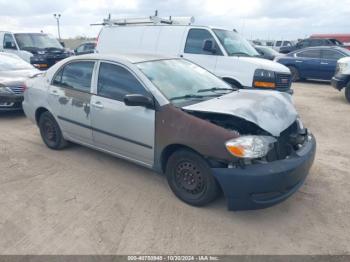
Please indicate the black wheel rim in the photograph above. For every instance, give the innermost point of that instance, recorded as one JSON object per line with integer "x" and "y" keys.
{"x": 49, "y": 131}
{"x": 189, "y": 179}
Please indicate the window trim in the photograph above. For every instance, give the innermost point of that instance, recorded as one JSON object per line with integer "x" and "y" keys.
{"x": 70, "y": 88}
{"x": 217, "y": 42}
{"x": 126, "y": 68}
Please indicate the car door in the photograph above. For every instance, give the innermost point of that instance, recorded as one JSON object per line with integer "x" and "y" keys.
{"x": 70, "y": 97}
{"x": 328, "y": 63}
{"x": 194, "y": 51}
{"x": 308, "y": 63}
{"x": 120, "y": 129}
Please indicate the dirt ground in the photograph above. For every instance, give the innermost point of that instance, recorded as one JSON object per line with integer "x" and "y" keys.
{"x": 79, "y": 201}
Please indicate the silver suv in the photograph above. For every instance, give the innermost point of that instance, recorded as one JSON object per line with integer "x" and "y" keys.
{"x": 176, "y": 118}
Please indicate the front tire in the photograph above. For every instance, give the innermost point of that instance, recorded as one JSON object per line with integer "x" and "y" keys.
{"x": 51, "y": 132}
{"x": 189, "y": 177}
{"x": 347, "y": 92}
{"x": 295, "y": 73}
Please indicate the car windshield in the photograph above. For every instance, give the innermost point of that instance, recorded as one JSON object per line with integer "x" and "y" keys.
{"x": 234, "y": 44}
{"x": 8, "y": 63}
{"x": 181, "y": 81}
{"x": 40, "y": 41}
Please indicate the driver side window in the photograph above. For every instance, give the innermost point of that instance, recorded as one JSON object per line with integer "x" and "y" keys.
{"x": 115, "y": 82}
{"x": 195, "y": 42}
{"x": 9, "y": 42}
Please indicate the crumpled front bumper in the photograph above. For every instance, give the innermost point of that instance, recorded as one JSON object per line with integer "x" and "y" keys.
{"x": 264, "y": 185}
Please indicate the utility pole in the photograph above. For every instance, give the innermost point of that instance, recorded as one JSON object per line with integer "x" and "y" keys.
{"x": 58, "y": 17}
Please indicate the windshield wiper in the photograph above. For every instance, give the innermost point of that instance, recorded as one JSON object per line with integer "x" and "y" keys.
{"x": 215, "y": 89}
{"x": 240, "y": 53}
{"x": 191, "y": 96}
{"x": 186, "y": 97}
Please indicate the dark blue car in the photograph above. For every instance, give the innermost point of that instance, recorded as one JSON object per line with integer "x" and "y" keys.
{"x": 313, "y": 62}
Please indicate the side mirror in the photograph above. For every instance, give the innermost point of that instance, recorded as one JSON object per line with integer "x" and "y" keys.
{"x": 139, "y": 100}
{"x": 209, "y": 46}
{"x": 63, "y": 44}
{"x": 10, "y": 45}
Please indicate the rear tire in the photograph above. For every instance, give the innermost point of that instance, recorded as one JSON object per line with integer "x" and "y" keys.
{"x": 51, "y": 132}
{"x": 347, "y": 92}
{"x": 295, "y": 73}
{"x": 189, "y": 177}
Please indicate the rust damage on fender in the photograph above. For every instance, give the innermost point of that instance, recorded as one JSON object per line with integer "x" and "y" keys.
{"x": 177, "y": 127}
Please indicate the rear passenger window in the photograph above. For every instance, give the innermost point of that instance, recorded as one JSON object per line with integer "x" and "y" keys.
{"x": 76, "y": 75}
{"x": 310, "y": 54}
{"x": 195, "y": 41}
{"x": 115, "y": 82}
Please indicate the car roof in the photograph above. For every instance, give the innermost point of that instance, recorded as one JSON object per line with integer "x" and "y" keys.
{"x": 131, "y": 58}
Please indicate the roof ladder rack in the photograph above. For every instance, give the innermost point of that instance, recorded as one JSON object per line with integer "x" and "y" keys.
{"x": 151, "y": 20}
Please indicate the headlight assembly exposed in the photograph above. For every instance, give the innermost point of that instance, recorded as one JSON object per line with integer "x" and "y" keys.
{"x": 250, "y": 147}
{"x": 264, "y": 79}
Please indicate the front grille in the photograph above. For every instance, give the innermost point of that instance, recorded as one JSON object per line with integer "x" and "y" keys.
{"x": 283, "y": 81}
{"x": 18, "y": 90}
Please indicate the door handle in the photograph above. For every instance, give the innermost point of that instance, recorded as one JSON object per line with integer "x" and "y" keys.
{"x": 54, "y": 93}
{"x": 323, "y": 63}
{"x": 98, "y": 105}
{"x": 298, "y": 61}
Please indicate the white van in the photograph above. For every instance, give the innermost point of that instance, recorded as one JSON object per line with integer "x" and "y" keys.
{"x": 223, "y": 52}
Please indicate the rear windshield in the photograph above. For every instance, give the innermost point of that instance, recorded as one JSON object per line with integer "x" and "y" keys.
{"x": 8, "y": 63}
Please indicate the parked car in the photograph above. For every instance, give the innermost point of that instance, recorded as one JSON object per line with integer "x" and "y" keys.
{"x": 176, "y": 118}
{"x": 267, "y": 52}
{"x": 85, "y": 48}
{"x": 223, "y": 52}
{"x": 13, "y": 73}
{"x": 277, "y": 45}
{"x": 40, "y": 50}
{"x": 342, "y": 38}
{"x": 313, "y": 62}
{"x": 310, "y": 42}
{"x": 341, "y": 78}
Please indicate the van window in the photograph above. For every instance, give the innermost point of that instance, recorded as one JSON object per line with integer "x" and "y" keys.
{"x": 195, "y": 42}
{"x": 278, "y": 43}
{"x": 76, "y": 75}
{"x": 9, "y": 42}
{"x": 115, "y": 82}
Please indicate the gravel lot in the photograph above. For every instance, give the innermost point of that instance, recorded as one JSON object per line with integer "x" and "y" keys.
{"x": 79, "y": 201}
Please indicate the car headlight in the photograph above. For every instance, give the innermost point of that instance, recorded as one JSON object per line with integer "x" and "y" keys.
{"x": 250, "y": 146}
{"x": 5, "y": 90}
{"x": 341, "y": 67}
{"x": 264, "y": 79}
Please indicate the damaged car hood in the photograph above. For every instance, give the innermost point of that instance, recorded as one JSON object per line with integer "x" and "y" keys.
{"x": 272, "y": 111}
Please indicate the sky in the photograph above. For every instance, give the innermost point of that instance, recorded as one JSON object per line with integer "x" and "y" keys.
{"x": 254, "y": 19}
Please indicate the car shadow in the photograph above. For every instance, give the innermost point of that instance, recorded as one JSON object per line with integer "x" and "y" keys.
{"x": 11, "y": 114}
{"x": 315, "y": 82}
